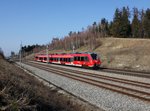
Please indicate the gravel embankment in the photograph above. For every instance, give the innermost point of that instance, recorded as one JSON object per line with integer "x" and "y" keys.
{"x": 146, "y": 80}
{"x": 105, "y": 99}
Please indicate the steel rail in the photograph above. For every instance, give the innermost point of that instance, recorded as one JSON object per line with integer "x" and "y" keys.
{"x": 123, "y": 72}
{"x": 128, "y": 91}
{"x": 115, "y": 79}
{"x": 126, "y": 72}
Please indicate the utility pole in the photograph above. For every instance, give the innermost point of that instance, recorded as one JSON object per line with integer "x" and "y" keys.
{"x": 73, "y": 47}
{"x": 47, "y": 54}
{"x": 20, "y": 53}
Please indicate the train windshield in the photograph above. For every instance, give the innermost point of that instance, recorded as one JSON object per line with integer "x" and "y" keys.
{"x": 94, "y": 56}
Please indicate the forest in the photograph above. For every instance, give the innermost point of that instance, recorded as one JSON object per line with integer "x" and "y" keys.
{"x": 126, "y": 23}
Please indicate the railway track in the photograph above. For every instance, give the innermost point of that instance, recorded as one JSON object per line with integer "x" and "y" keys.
{"x": 126, "y": 72}
{"x": 132, "y": 88}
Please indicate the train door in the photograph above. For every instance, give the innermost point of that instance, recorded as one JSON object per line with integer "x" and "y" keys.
{"x": 41, "y": 59}
{"x": 72, "y": 60}
{"x": 85, "y": 61}
{"x": 77, "y": 61}
{"x": 45, "y": 59}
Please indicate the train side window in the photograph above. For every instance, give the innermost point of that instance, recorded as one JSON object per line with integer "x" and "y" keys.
{"x": 86, "y": 59}
{"x": 82, "y": 58}
{"x": 75, "y": 58}
{"x": 45, "y": 58}
{"x": 69, "y": 59}
{"x": 78, "y": 58}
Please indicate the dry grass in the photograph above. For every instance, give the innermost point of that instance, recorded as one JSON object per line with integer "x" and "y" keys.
{"x": 20, "y": 91}
{"x": 126, "y": 53}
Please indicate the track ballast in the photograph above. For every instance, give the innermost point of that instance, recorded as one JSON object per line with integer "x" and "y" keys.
{"x": 132, "y": 88}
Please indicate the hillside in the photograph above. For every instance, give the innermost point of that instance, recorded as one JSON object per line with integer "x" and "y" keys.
{"x": 123, "y": 53}
{"x": 21, "y": 91}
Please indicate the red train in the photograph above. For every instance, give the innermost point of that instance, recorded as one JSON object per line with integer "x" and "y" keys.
{"x": 74, "y": 59}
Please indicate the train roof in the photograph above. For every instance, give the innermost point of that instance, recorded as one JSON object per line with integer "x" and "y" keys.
{"x": 83, "y": 53}
{"x": 66, "y": 55}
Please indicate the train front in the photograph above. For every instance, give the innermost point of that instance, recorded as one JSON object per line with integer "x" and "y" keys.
{"x": 95, "y": 60}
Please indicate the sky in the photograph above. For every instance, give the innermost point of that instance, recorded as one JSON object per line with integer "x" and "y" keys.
{"x": 38, "y": 21}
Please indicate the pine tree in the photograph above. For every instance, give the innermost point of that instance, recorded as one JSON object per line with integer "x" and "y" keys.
{"x": 121, "y": 24}
{"x": 94, "y": 27}
{"x": 116, "y": 23}
{"x": 110, "y": 27}
{"x": 135, "y": 23}
{"x": 141, "y": 18}
{"x": 104, "y": 27}
{"x": 1, "y": 53}
{"x": 125, "y": 29}
{"x": 146, "y": 24}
